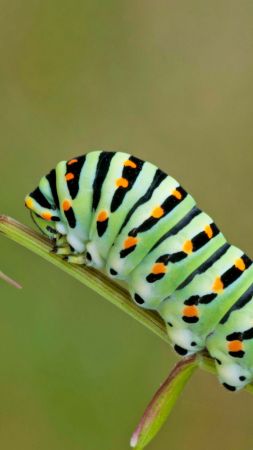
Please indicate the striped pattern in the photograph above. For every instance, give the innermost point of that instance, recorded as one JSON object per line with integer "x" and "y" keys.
{"x": 139, "y": 224}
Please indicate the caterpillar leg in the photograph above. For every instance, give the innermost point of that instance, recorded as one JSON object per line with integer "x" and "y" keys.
{"x": 61, "y": 246}
{"x": 79, "y": 259}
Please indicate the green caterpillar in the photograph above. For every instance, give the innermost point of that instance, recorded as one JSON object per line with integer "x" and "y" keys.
{"x": 114, "y": 211}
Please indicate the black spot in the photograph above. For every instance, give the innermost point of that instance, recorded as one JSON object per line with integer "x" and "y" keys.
{"x": 170, "y": 324}
{"x": 193, "y": 343}
{"x": 239, "y": 354}
{"x": 113, "y": 272}
{"x": 88, "y": 256}
{"x": 230, "y": 388}
{"x": 180, "y": 350}
{"x": 138, "y": 299}
{"x": 218, "y": 361}
{"x": 191, "y": 319}
{"x": 242, "y": 378}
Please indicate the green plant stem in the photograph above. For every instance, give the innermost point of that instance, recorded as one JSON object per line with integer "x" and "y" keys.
{"x": 92, "y": 278}
{"x": 95, "y": 280}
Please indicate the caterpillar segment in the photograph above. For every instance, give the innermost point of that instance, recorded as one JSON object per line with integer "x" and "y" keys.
{"x": 115, "y": 212}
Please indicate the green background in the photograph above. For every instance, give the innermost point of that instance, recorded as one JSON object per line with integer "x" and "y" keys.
{"x": 169, "y": 81}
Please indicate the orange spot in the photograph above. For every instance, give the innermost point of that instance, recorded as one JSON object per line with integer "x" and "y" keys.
{"x": 66, "y": 204}
{"x": 209, "y": 231}
{"x": 29, "y": 203}
{"x": 235, "y": 346}
{"x": 188, "y": 247}
{"x": 46, "y": 215}
{"x": 177, "y": 194}
{"x": 129, "y": 163}
{"x": 217, "y": 285}
{"x": 239, "y": 264}
{"x": 130, "y": 242}
{"x": 122, "y": 182}
{"x": 159, "y": 268}
{"x": 157, "y": 212}
{"x": 191, "y": 311}
{"x": 102, "y": 216}
{"x": 72, "y": 161}
{"x": 69, "y": 176}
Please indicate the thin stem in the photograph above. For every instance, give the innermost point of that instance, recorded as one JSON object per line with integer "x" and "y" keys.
{"x": 9, "y": 280}
{"x": 92, "y": 278}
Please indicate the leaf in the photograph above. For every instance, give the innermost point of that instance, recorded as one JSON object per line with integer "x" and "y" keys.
{"x": 162, "y": 403}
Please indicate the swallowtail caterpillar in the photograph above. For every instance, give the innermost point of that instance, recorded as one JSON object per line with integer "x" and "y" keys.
{"x": 114, "y": 211}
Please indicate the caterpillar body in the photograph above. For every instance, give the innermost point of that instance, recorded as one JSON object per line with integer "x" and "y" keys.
{"x": 112, "y": 210}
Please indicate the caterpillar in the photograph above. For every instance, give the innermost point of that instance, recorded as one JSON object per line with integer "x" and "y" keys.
{"x": 115, "y": 212}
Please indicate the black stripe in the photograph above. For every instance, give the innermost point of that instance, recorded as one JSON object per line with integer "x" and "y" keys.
{"x": 103, "y": 165}
{"x": 51, "y": 177}
{"x": 168, "y": 205}
{"x": 70, "y": 216}
{"x": 177, "y": 257}
{"x": 240, "y": 303}
{"x": 75, "y": 168}
{"x": 152, "y": 277}
{"x": 206, "y": 265}
{"x": 233, "y": 273}
{"x": 157, "y": 179}
{"x": 179, "y": 226}
{"x": 163, "y": 259}
{"x": 102, "y": 226}
{"x": 196, "y": 299}
{"x": 208, "y": 298}
{"x": 126, "y": 251}
{"x": 193, "y": 300}
{"x": 40, "y": 198}
{"x": 201, "y": 239}
{"x": 131, "y": 175}
{"x": 235, "y": 336}
{"x": 248, "y": 334}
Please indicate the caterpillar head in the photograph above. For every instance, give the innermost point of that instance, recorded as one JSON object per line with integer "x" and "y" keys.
{"x": 44, "y": 215}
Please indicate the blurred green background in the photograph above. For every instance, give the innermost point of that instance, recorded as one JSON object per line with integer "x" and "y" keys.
{"x": 172, "y": 83}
